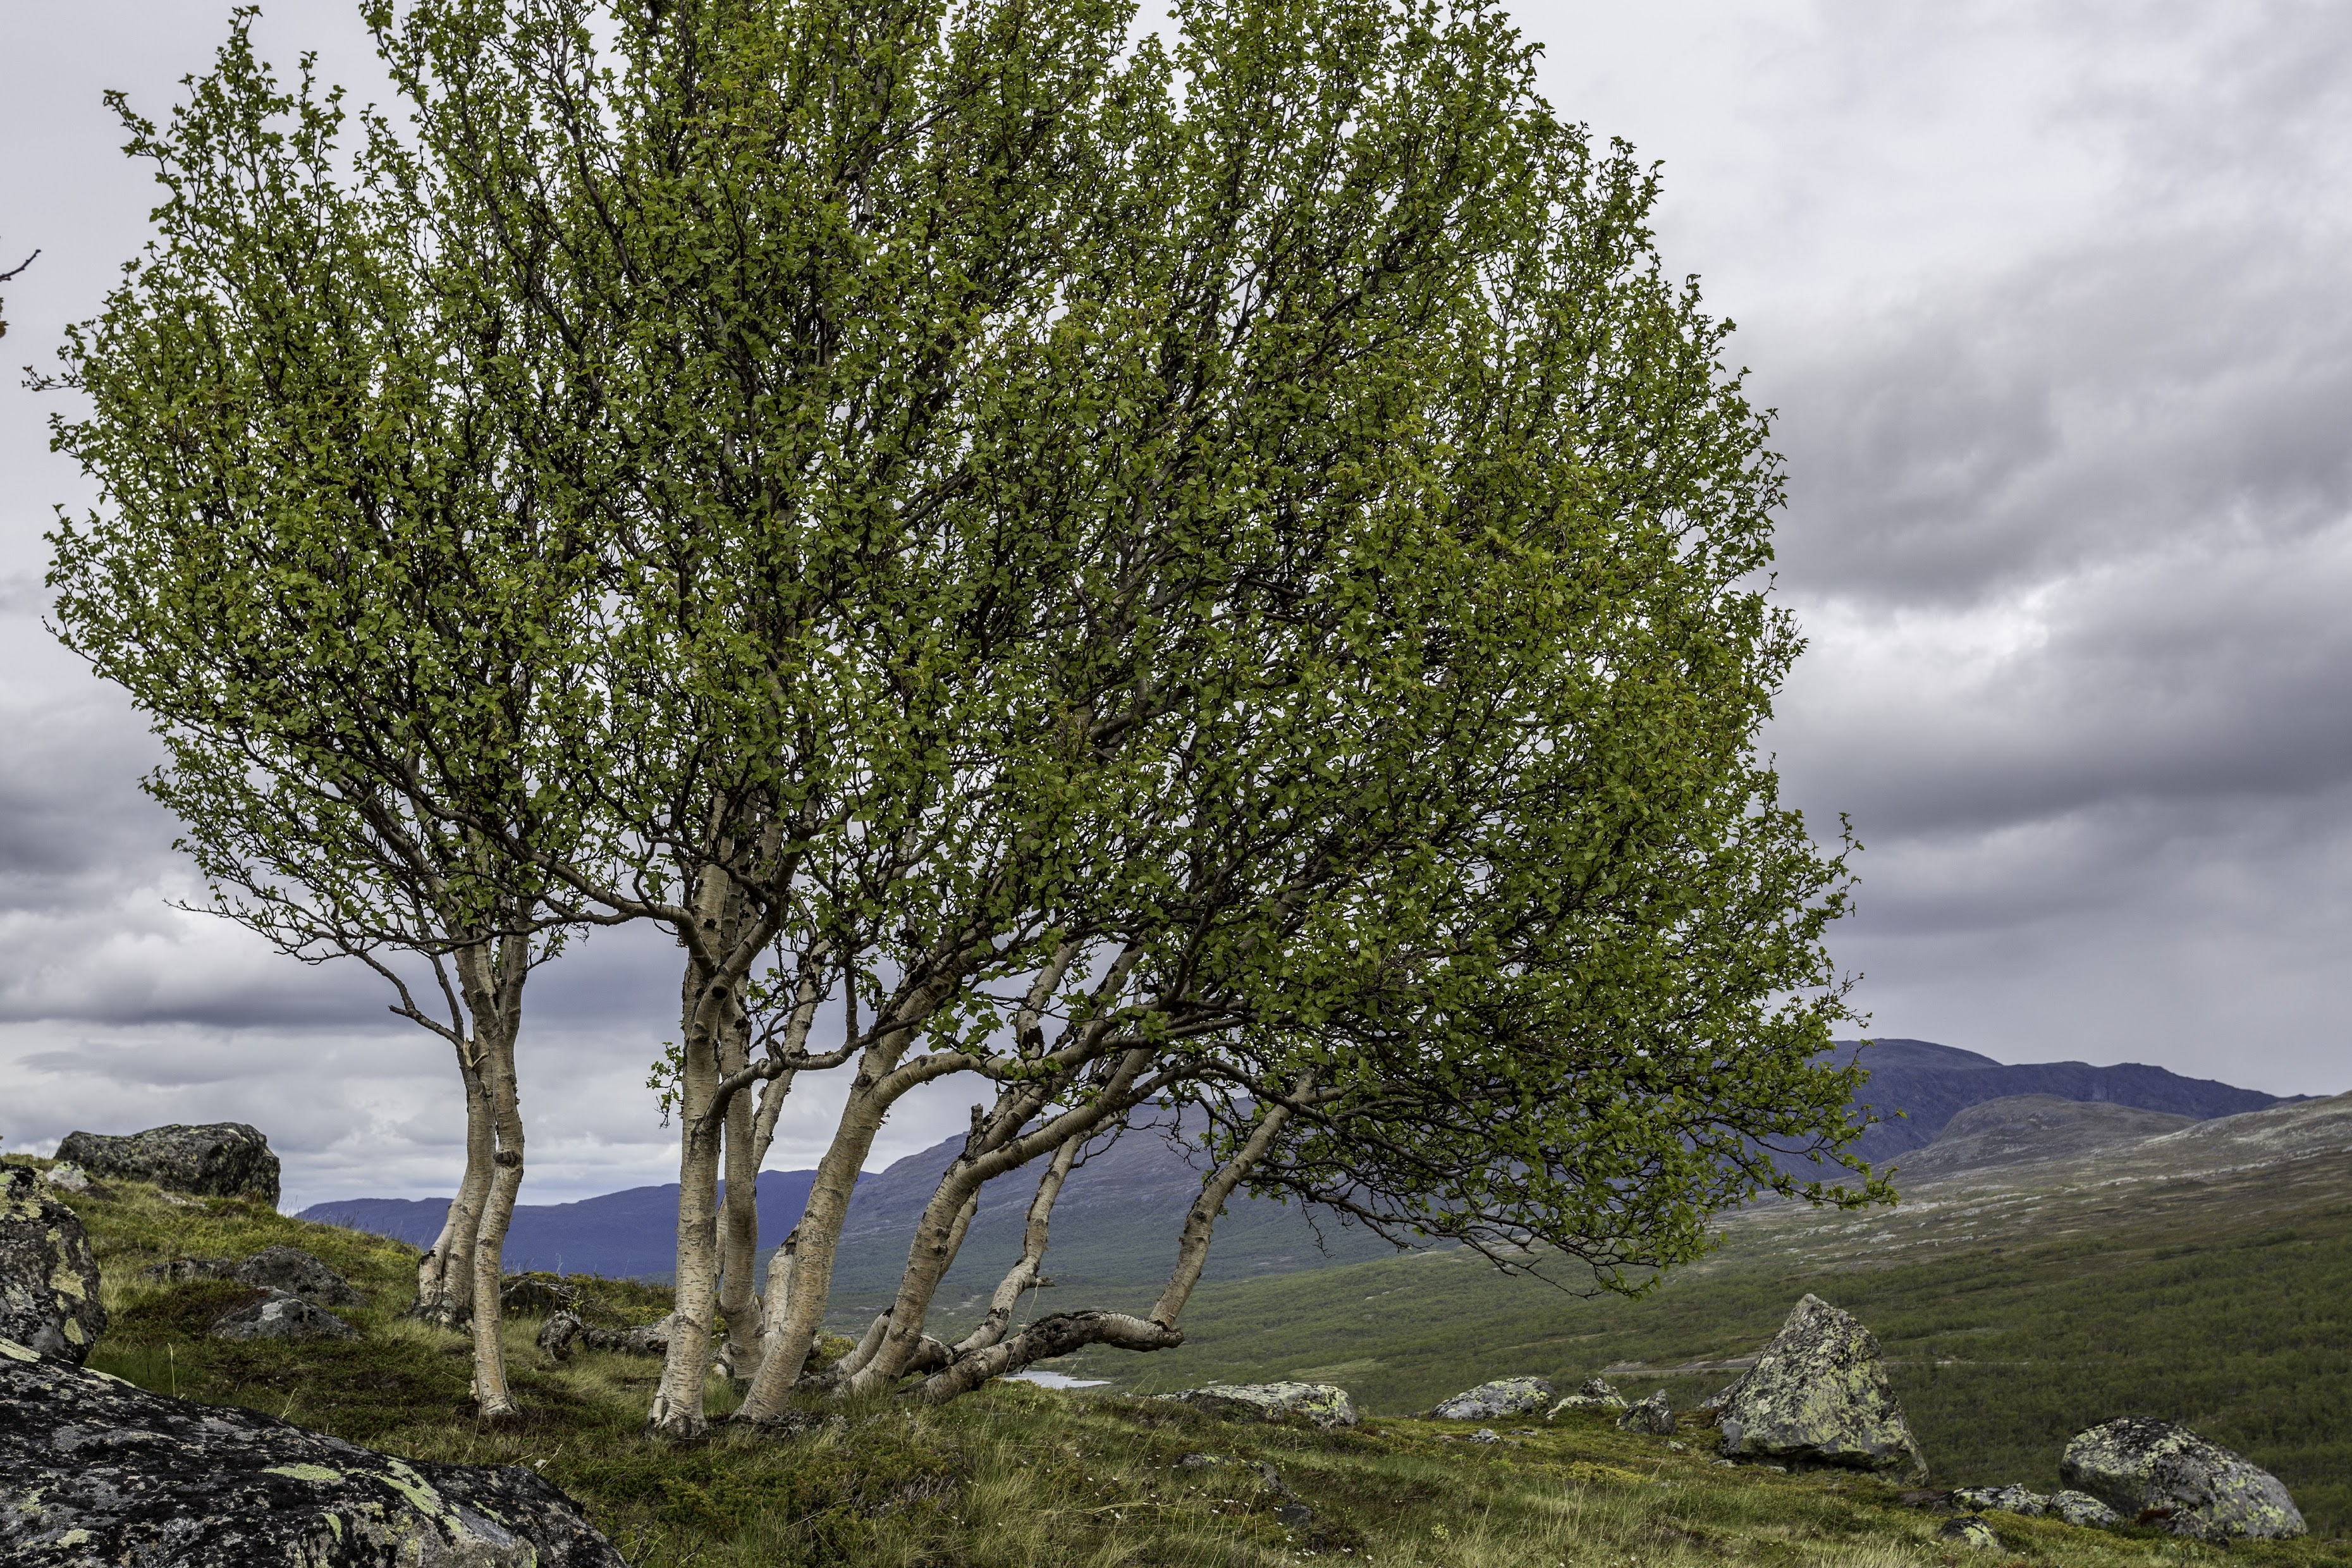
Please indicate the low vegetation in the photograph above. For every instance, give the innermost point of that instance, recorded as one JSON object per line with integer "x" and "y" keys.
{"x": 1014, "y": 1475}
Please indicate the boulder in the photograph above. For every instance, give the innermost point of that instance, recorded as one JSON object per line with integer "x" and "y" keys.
{"x": 93, "y": 1470}
{"x": 2001, "y": 1499}
{"x": 48, "y": 1279}
{"x": 289, "y": 1269}
{"x": 221, "y": 1160}
{"x": 1818, "y": 1396}
{"x": 282, "y": 1315}
{"x": 2083, "y": 1510}
{"x": 1503, "y": 1397}
{"x": 1593, "y": 1394}
{"x": 1969, "y": 1531}
{"x": 1653, "y": 1415}
{"x": 1321, "y": 1404}
{"x": 67, "y": 1178}
{"x": 2157, "y": 1473}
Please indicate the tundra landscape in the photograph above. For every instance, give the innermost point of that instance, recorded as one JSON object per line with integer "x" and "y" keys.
{"x": 1130, "y": 775}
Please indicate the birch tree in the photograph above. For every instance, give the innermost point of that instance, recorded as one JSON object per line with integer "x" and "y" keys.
{"x": 318, "y": 572}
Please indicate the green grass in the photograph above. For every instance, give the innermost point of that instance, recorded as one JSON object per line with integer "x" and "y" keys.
{"x": 1017, "y": 1477}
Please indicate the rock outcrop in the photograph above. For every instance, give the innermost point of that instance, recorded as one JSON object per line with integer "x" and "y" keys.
{"x": 1503, "y": 1397}
{"x": 1321, "y": 1404}
{"x": 1593, "y": 1394}
{"x": 1653, "y": 1415}
{"x": 292, "y": 1269}
{"x": 48, "y": 1279}
{"x": 94, "y": 1471}
{"x": 1818, "y": 1396}
{"x": 220, "y": 1160}
{"x": 282, "y": 1315}
{"x": 2164, "y": 1475}
{"x": 2002, "y": 1500}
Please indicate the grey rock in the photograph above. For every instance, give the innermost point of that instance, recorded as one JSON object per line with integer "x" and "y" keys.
{"x": 1484, "y": 1435}
{"x": 2083, "y": 1508}
{"x": 1593, "y": 1394}
{"x": 49, "y": 1278}
{"x": 1653, "y": 1415}
{"x": 2001, "y": 1500}
{"x": 567, "y": 1331}
{"x": 1503, "y": 1397}
{"x": 292, "y": 1269}
{"x": 67, "y": 1178}
{"x": 282, "y": 1315}
{"x": 2168, "y": 1476}
{"x": 1969, "y": 1530}
{"x": 94, "y": 1471}
{"x": 1201, "y": 1461}
{"x": 177, "y": 1271}
{"x": 1818, "y": 1396}
{"x": 1296, "y": 1515}
{"x": 1320, "y": 1405}
{"x": 220, "y": 1160}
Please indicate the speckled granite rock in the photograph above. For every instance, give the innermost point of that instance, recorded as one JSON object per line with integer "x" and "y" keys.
{"x": 1321, "y": 1404}
{"x": 2001, "y": 1500}
{"x": 1653, "y": 1415}
{"x": 1503, "y": 1397}
{"x": 1818, "y": 1396}
{"x": 221, "y": 1160}
{"x": 49, "y": 1280}
{"x": 1593, "y": 1394}
{"x": 2140, "y": 1467}
{"x": 292, "y": 1269}
{"x": 2083, "y": 1508}
{"x": 282, "y": 1315}
{"x": 94, "y": 1471}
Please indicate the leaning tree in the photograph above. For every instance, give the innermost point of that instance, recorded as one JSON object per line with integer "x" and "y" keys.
{"x": 1224, "y": 576}
{"x": 317, "y": 569}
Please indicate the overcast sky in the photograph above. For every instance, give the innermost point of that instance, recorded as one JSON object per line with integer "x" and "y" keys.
{"x": 2052, "y": 300}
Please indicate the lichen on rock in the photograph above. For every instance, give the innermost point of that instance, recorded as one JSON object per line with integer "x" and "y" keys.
{"x": 48, "y": 1278}
{"x": 291, "y": 1268}
{"x": 1502, "y": 1396}
{"x": 1653, "y": 1416}
{"x": 93, "y": 1470}
{"x": 2168, "y": 1476}
{"x": 2083, "y": 1510}
{"x": 220, "y": 1158}
{"x": 1819, "y": 1396}
{"x": 1593, "y": 1394}
{"x": 2009, "y": 1498}
{"x": 1321, "y": 1404}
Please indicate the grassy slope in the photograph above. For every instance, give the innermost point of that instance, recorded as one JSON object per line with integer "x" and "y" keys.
{"x": 2012, "y": 1322}
{"x": 1014, "y": 1475}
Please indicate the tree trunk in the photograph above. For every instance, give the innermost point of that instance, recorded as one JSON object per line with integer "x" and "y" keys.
{"x": 444, "y": 1274}
{"x": 739, "y": 1215}
{"x": 710, "y": 1012}
{"x": 1028, "y": 1274}
{"x": 495, "y": 998}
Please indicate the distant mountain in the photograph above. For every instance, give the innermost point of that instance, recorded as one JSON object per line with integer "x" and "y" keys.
{"x": 2019, "y": 1129}
{"x": 1115, "y": 1227}
{"x": 1930, "y": 1084}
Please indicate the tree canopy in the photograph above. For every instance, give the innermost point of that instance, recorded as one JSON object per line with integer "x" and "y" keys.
{"x": 1222, "y": 573}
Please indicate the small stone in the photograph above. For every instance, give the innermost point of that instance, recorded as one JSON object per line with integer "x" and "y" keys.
{"x": 2138, "y": 1466}
{"x": 1969, "y": 1530}
{"x": 282, "y": 1315}
{"x": 1485, "y": 1435}
{"x": 1653, "y": 1415}
{"x": 291, "y": 1268}
{"x": 1295, "y": 1515}
{"x": 1673, "y": 1447}
{"x": 2083, "y": 1508}
{"x": 2002, "y": 1500}
{"x": 1503, "y": 1397}
{"x": 68, "y": 1178}
{"x": 1201, "y": 1461}
{"x": 1818, "y": 1395}
{"x": 48, "y": 1277}
{"x": 178, "y": 1270}
{"x": 1320, "y": 1405}
{"x": 221, "y": 1159}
